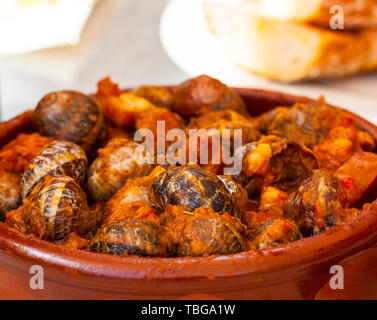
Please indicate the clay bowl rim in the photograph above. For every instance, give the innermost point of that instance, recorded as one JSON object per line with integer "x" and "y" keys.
{"x": 292, "y": 259}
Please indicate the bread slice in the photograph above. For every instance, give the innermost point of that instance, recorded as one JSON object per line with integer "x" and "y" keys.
{"x": 286, "y": 51}
{"x": 357, "y": 13}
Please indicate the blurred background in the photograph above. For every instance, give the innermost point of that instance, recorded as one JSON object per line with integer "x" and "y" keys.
{"x": 48, "y": 45}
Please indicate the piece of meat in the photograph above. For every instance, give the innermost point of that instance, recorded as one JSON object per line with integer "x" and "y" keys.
{"x": 227, "y": 120}
{"x": 121, "y": 108}
{"x": 74, "y": 241}
{"x": 359, "y": 177}
{"x": 338, "y": 147}
{"x": 273, "y": 233}
{"x": 272, "y": 201}
{"x": 17, "y": 154}
{"x": 159, "y": 96}
{"x": 160, "y": 122}
{"x": 134, "y": 195}
{"x": 274, "y": 161}
{"x": 252, "y": 219}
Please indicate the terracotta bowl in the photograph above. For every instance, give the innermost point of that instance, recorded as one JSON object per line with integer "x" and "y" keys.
{"x": 296, "y": 271}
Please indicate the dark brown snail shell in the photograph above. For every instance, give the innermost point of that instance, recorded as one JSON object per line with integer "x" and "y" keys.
{"x": 57, "y": 158}
{"x": 209, "y": 234}
{"x": 238, "y": 194}
{"x": 318, "y": 204}
{"x": 70, "y": 116}
{"x": 56, "y": 207}
{"x": 192, "y": 188}
{"x": 117, "y": 162}
{"x": 132, "y": 237}
{"x": 201, "y": 94}
{"x": 10, "y": 193}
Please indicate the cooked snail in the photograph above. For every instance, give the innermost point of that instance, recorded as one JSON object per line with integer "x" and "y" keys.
{"x": 119, "y": 160}
{"x": 132, "y": 237}
{"x": 70, "y": 116}
{"x": 57, "y": 158}
{"x": 199, "y": 95}
{"x": 56, "y": 207}
{"x": 10, "y": 193}
{"x": 205, "y": 232}
{"x": 318, "y": 204}
{"x": 192, "y": 188}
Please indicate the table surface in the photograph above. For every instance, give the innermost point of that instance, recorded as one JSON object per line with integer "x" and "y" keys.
{"x": 121, "y": 39}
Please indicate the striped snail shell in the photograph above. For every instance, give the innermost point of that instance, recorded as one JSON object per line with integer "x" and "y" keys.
{"x": 70, "y": 116}
{"x": 192, "y": 188}
{"x": 119, "y": 160}
{"x": 132, "y": 237}
{"x": 208, "y": 234}
{"x": 57, "y": 158}
{"x": 56, "y": 207}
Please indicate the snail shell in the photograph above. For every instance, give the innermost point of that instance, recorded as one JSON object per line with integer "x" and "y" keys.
{"x": 132, "y": 237}
{"x": 57, "y": 158}
{"x": 56, "y": 207}
{"x": 192, "y": 188}
{"x": 208, "y": 234}
{"x": 238, "y": 193}
{"x": 117, "y": 162}
{"x": 10, "y": 193}
{"x": 318, "y": 204}
{"x": 70, "y": 116}
{"x": 199, "y": 95}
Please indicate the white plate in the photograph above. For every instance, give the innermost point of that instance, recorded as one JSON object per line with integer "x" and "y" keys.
{"x": 187, "y": 41}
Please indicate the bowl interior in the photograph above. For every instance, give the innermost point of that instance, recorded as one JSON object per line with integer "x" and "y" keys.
{"x": 276, "y": 264}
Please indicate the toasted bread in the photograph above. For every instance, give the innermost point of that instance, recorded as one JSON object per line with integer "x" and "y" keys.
{"x": 357, "y": 13}
{"x": 286, "y": 51}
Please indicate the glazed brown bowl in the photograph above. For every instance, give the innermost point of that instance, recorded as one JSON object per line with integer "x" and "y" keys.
{"x": 295, "y": 271}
